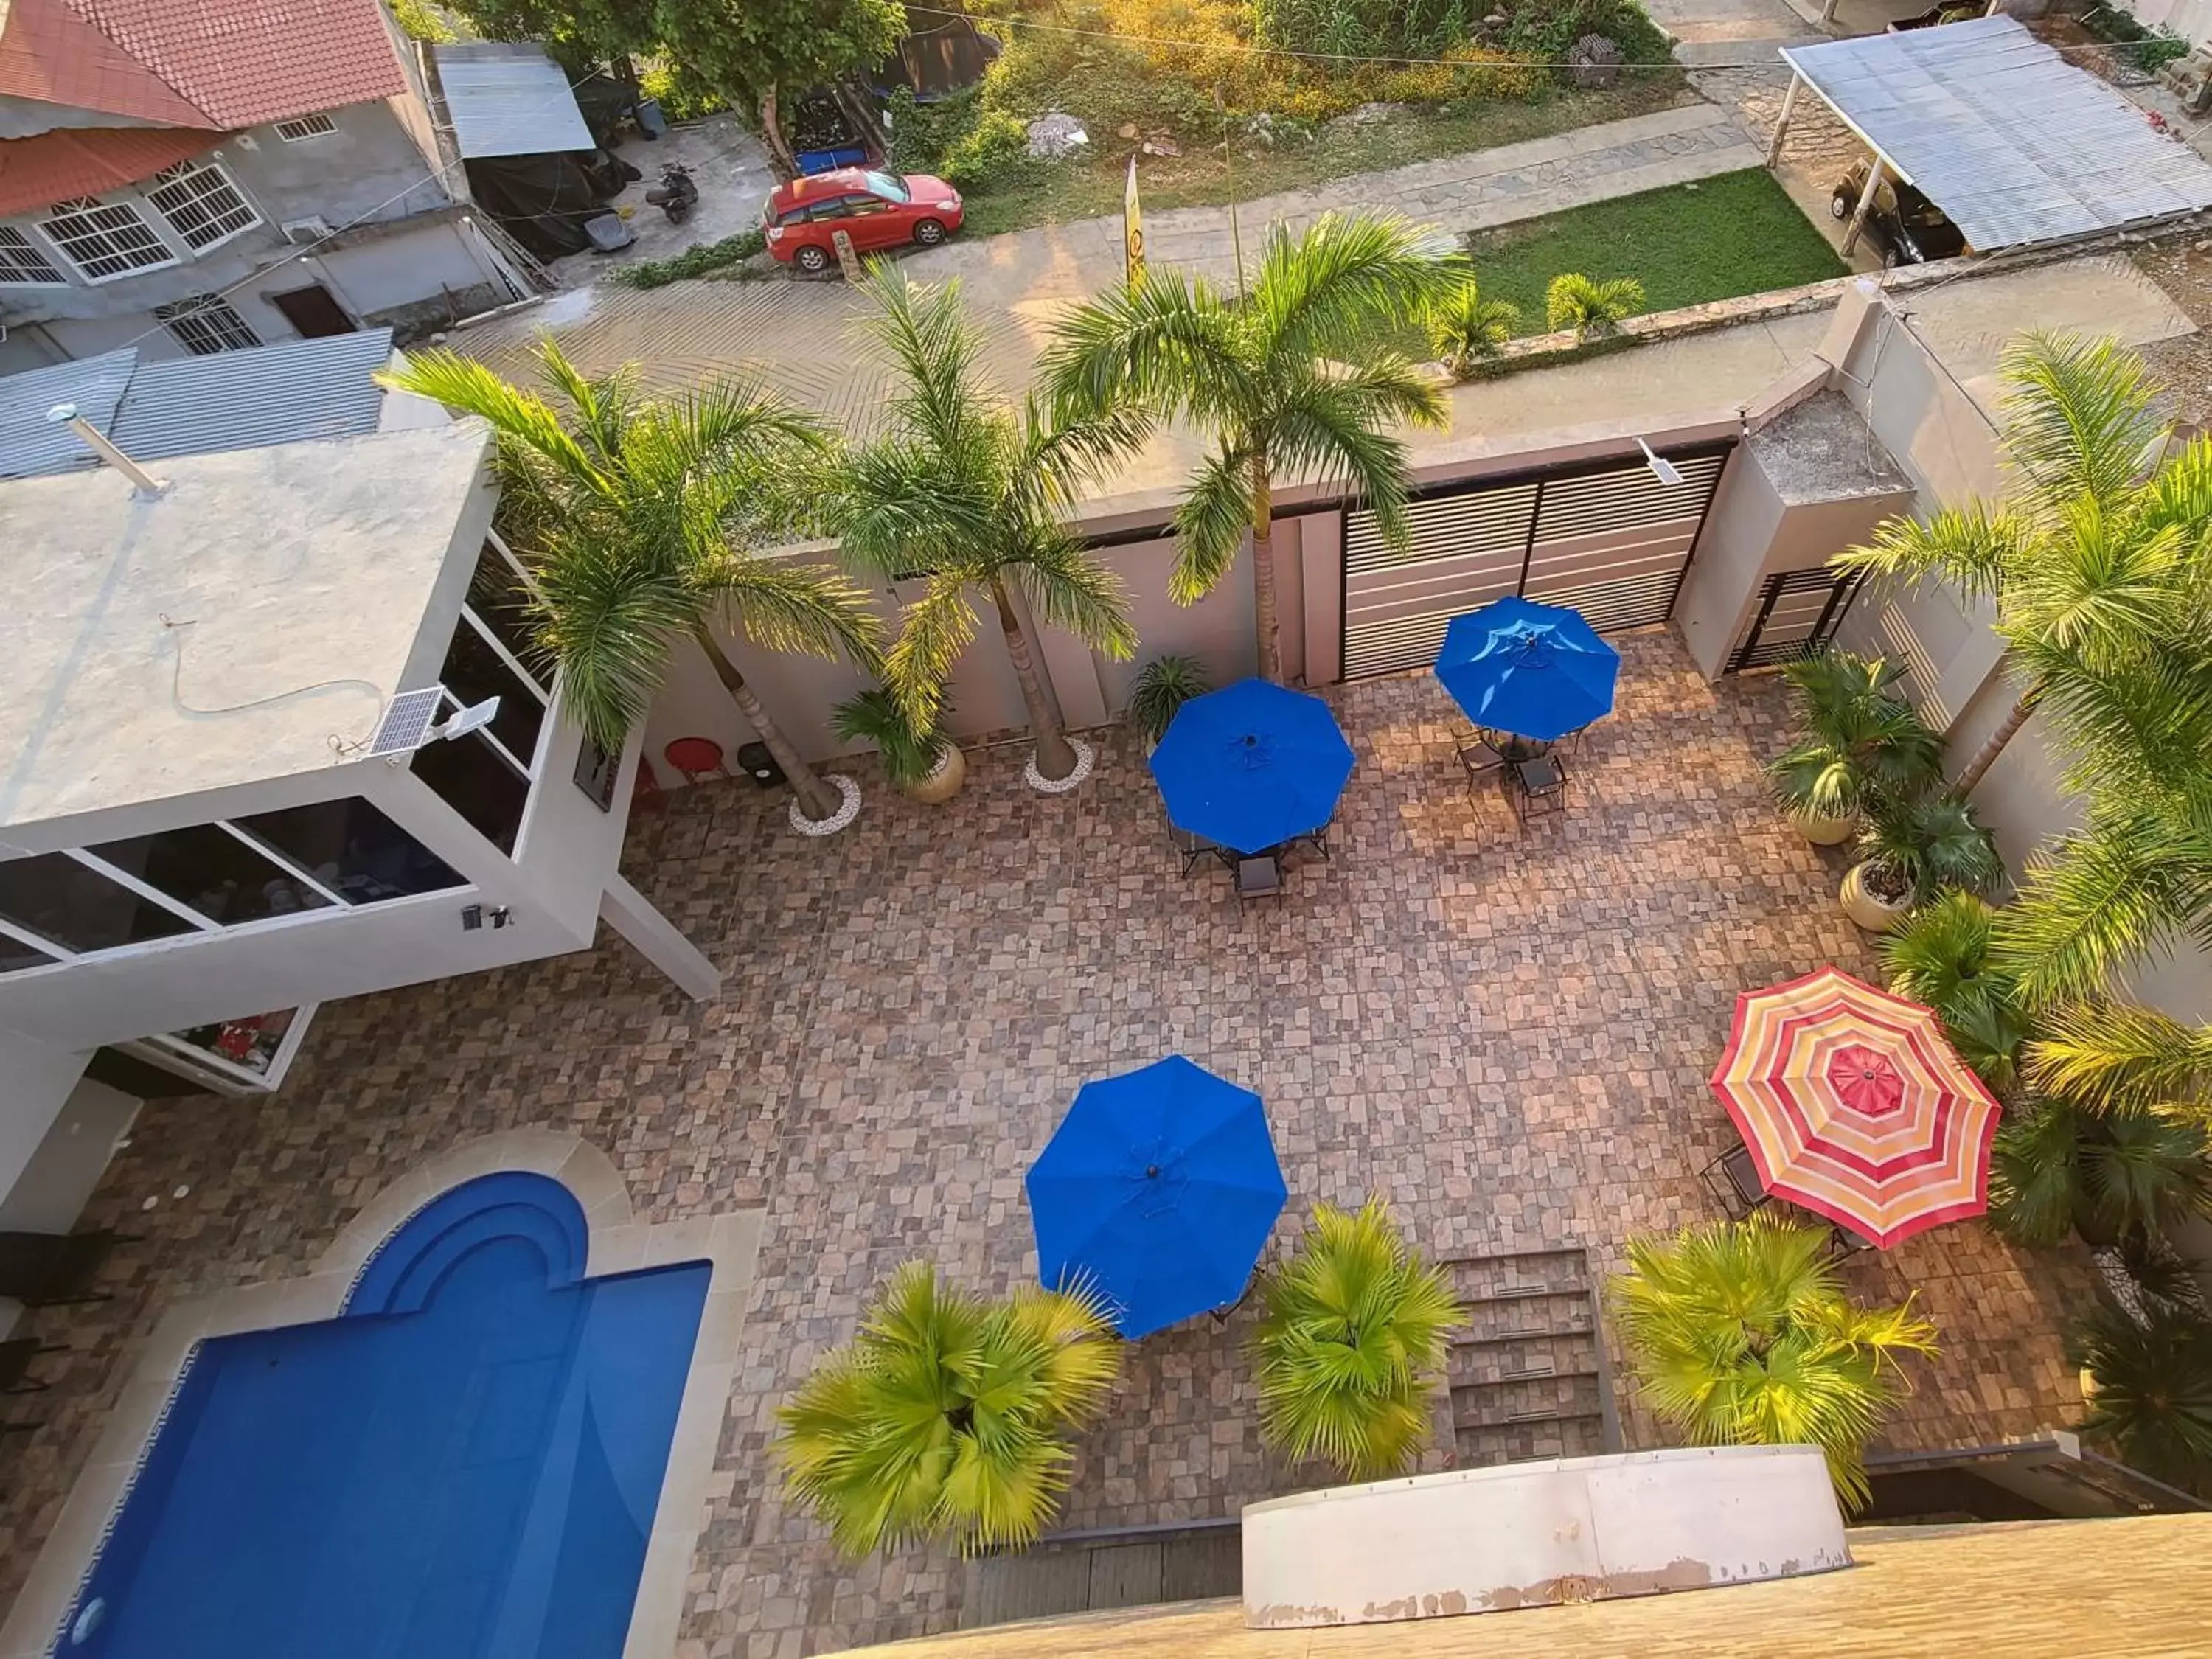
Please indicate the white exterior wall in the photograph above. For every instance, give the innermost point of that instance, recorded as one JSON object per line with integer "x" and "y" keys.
{"x": 2189, "y": 19}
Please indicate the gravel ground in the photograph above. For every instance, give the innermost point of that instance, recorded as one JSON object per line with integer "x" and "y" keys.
{"x": 2182, "y": 267}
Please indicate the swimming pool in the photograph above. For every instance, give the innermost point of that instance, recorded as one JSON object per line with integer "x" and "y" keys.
{"x": 464, "y": 1465}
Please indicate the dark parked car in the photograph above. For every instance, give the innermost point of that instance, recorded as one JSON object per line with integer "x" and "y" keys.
{"x": 1905, "y": 226}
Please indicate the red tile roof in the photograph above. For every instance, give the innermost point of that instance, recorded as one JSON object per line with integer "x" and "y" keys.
{"x": 216, "y": 65}
{"x": 35, "y": 173}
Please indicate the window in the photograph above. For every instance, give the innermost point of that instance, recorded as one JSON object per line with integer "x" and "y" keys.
{"x": 15, "y": 955}
{"x": 307, "y": 126}
{"x": 21, "y": 262}
{"x": 201, "y": 203}
{"x": 207, "y": 323}
{"x": 886, "y": 185}
{"x": 499, "y": 599}
{"x": 353, "y": 849}
{"x": 473, "y": 778}
{"x": 476, "y": 669}
{"x": 51, "y": 896}
{"x": 106, "y": 242}
{"x": 212, "y": 874}
{"x": 859, "y": 205}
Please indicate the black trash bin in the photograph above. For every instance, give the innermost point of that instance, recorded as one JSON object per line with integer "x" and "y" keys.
{"x": 754, "y": 757}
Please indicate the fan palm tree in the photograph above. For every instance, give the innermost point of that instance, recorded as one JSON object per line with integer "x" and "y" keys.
{"x": 1465, "y": 328}
{"x": 2150, "y": 1390}
{"x": 1915, "y": 850}
{"x": 2098, "y": 567}
{"x": 1862, "y": 741}
{"x": 1588, "y": 307}
{"x": 637, "y": 521}
{"x": 947, "y": 1417}
{"x": 1739, "y": 1335}
{"x": 1939, "y": 957}
{"x": 1292, "y": 379}
{"x": 965, "y": 492}
{"x": 1350, "y": 1343}
{"x": 2112, "y": 1176}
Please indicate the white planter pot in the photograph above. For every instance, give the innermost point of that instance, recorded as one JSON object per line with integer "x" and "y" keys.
{"x": 1870, "y": 910}
{"x": 1824, "y": 832}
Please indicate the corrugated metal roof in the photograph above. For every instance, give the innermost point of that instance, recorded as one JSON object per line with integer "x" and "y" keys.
{"x": 30, "y": 443}
{"x": 2012, "y": 143}
{"x": 276, "y": 394}
{"x": 509, "y": 101}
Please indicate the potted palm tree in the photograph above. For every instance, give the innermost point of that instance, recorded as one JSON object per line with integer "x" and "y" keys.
{"x": 928, "y": 765}
{"x": 1294, "y": 375}
{"x": 1912, "y": 850}
{"x": 1940, "y": 956}
{"x": 1862, "y": 742}
{"x": 1739, "y": 1335}
{"x": 1351, "y": 1345}
{"x": 2147, "y": 1380}
{"x": 947, "y": 1417}
{"x": 641, "y": 523}
{"x": 963, "y": 492}
{"x": 1162, "y": 686}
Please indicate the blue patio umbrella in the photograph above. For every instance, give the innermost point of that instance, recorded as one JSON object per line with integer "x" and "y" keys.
{"x": 1158, "y": 1190}
{"x": 1537, "y": 671}
{"x": 1252, "y": 765}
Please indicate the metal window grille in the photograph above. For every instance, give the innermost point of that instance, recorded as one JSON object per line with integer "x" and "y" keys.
{"x": 307, "y": 126}
{"x": 201, "y": 203}
{"x": 1798, "y": 610}
{"x": 207, "y": 323}
{"x": 21, "y": 262}
{"x": 105, "y": 242}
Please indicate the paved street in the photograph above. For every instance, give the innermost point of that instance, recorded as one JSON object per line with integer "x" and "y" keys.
{"x": 1507, "y": 1038}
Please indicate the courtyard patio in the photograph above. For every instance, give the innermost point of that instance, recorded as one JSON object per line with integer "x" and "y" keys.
{"x": 1506, "y": 1036}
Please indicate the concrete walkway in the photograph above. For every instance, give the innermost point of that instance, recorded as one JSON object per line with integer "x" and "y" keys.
{"x": 797, "y": 337}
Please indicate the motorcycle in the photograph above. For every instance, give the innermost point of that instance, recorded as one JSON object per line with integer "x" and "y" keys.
{"x": 676, "y": 195}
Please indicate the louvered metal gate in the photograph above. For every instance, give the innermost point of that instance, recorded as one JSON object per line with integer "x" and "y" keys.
{"x": 1798, "y": 610}
{"x": 1606, "y": 537}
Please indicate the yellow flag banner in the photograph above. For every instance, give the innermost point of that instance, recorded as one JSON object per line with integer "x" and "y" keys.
{"x": 1133, "y": 229}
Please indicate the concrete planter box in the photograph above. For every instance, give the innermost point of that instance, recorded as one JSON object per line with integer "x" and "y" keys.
{"x": 1534, "y": 1534}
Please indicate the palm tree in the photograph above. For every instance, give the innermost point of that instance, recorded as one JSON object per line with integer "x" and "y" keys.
{"x": 1291, "y": 378}
{"x": 1940, "y": 956}
{"x": 966, "y": 492}
{"x": 1862, "y": 742}
{"x": 1589, "y": 307}
{"x": 1350, "y": 1343}
{"x": 1739, "y": 1335}
{"x": 2149, "y": 1390}
{"x": 2115, "y": 1055}
{"x": 2112, "y": 1176}
{"x": 947, "y": 1417}
{"x": 637, "y": 522}
{"x": 2097, "y": 566}
{"x": 1465, "y": 328}
{"x": 1914, "y": 849}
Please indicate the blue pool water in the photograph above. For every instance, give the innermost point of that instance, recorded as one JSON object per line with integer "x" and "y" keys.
{"x": 463, "y": 1466}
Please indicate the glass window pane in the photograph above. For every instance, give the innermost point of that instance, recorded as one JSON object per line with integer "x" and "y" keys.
{"x": 55, "y": 897}
{"x": 216, "y": 875}
{"x": 473, "y": 671}
{"x": 353, "y": 849}
{"x": 15, "y": 954}
{"x": 502, "y": 604}
{"x": 469, "y": 776}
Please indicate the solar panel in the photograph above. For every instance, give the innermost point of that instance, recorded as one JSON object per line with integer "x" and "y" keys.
{"x": 407, "y": 719}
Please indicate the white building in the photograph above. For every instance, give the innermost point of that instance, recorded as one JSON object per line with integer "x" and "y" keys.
{"x": 198, "y": 842}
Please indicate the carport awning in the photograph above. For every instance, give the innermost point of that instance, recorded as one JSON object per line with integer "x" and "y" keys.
{"x": 509, "y": 100}
{"x": 2012, "y": 142}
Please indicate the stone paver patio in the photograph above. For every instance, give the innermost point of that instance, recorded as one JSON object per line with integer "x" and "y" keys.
{"x": 1506, "y": 1037}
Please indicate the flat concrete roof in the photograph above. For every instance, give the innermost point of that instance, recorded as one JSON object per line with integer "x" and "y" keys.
{"x": 243, "y": 625}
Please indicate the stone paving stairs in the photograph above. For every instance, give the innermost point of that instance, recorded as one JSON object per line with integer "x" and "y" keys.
{"x": 1527, "y": 1374}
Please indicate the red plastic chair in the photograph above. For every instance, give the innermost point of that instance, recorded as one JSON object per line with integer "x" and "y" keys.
{"x": 696, "y": 759}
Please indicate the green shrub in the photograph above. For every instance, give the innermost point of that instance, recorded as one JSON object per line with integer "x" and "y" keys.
{"x": 692, "y": 262}
{"x": 1591, "y": 307}
{"x": 1547, "y": 29}
{"x": 922, "y": 135}
{"x": 1363, "y": 27}
{"x": 2149, "y": 49}
{"x": 682, "y": 95}
{"x": 993, "y": 150}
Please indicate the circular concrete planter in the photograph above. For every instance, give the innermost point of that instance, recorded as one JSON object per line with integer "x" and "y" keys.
{"x": 944, "y": 783}
{"x": 1870, "y": 910}
{"x": 1824, "y": 832}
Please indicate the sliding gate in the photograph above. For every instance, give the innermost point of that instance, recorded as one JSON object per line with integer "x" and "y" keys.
{"x": 1606, "y": 537}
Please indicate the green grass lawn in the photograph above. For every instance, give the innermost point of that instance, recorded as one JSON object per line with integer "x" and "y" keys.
{"x": 1203, "y": 177}
{"x": 1736, "y": 234}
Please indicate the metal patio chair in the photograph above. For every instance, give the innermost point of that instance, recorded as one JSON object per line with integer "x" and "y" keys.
{"x": 1259, "y": 875}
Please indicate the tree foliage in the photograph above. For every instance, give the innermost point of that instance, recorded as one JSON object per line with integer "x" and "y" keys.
{"x": 947, "y": 1417}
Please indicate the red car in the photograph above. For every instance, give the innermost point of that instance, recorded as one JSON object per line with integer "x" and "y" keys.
{"x": 878, "y": 210}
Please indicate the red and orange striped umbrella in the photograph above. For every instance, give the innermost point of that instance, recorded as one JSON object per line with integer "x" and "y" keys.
{"x": 1853, "y": 1104}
